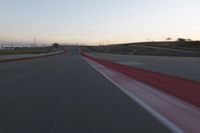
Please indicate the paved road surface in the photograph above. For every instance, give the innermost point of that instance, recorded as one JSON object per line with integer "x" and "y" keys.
{"x": 183, "y": 67}
{"x": 65, "y": 94}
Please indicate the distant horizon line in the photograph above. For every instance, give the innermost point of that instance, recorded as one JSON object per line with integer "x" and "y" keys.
{"x": 100, "y": 42}
{"x": 18, "y": 44}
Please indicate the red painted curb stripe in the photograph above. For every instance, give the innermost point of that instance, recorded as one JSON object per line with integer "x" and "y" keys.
{"x": 181, "y": 88}
{"x": 30, "y": 58}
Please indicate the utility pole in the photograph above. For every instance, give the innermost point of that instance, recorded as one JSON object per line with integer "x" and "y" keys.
{"x": 117, "y": 40}
{"x": 35, "y": 41}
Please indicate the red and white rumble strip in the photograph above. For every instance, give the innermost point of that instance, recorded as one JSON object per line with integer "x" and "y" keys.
{"x": 174, "y": 113}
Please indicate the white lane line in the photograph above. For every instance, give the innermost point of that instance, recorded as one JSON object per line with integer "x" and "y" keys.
{"x": 174, "y": 113}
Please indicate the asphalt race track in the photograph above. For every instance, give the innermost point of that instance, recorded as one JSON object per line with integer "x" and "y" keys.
{"x": 64, "y": 94}
{"x": 182, "y": 67}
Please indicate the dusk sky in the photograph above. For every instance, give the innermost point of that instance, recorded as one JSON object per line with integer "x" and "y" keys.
{"x": 98, "y": 21}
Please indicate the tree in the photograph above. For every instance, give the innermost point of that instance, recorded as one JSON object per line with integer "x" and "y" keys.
{"x": 55, "y": 45}
{"x": 181, "y": 40}
{"x": 169, "y": 39}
